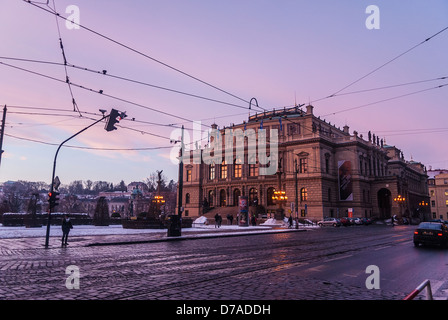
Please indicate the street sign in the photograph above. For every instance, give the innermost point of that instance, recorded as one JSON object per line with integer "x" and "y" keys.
{"x": 56, "y": 183}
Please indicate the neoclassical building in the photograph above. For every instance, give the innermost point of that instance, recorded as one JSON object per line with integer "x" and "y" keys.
{"x": 324, "y": 170}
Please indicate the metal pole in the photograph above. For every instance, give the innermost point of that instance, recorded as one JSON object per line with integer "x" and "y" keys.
{"x": 3, "y": 131}
{"x": 54, "y": 170}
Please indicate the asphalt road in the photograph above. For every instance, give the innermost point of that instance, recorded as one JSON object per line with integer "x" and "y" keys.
{"x": 324, "y": 264}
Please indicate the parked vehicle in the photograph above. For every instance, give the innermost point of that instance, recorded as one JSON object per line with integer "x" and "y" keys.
{"x": 345, "y": 221}
{"x": 431, "y": 233}
{"x": 329, "y": 222}
{"x": 366, "y": 221}
{"x": 358, "y": 221}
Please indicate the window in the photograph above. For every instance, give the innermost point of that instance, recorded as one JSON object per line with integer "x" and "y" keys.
{"x": 222, "y": 198}
{"x": 432, "y": 193}
{"x": 433, "y": 203}
{"x": 237, "y": 171}
{"x": 211, "y": 171}
{"x": 187, "y": 198}
{"x": 236, "y": 195}
{"x": 303, "y": 166}
{"x": 223, "y": 170}
{"x": 210, "y": 198}
{"x": 253, "y": 170}
{"x": 446, "y": 192}
{"x": 188, "y": 175}
{"x": 303, "y": 194}
{"x": 253, "y": 197}
{"x": 270, "y": 194}
{"x": 446, "y": 202}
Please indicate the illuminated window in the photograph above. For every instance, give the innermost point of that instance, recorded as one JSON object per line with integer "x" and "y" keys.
{"x": 211, "y": 172}
{"x": 224, "y": 170}
{"x": 303, "y": 194}
{"x": 237, "y": 168}
{"x": 189, "y": 175}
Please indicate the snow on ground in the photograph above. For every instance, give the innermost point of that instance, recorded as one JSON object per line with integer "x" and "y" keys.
{"x": 89, "y": 230}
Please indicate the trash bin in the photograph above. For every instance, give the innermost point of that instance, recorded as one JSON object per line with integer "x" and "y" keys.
{"x": 174, "y": 226}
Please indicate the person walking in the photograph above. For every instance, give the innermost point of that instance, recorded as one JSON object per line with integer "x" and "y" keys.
{"x": 66, "y": 227}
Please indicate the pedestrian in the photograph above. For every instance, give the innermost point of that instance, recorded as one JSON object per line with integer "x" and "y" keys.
{"x": 216, "y": 220}
{"x": 219, "y": 221}
{"x": 392, "y": 221}
{"x": 66, "y": 226}
{"x": 290, "y": 221}
{"x": 253, "y": 220}
{"x": 231, "y": 219}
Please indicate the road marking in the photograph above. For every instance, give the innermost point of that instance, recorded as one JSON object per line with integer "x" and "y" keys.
{"x": 383, "y": 247}
{"x": 339, "y": 258}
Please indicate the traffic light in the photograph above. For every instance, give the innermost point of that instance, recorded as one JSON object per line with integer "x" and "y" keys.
{"x": 53, "y": 199}
{"x": 56, "y": 198}
{"x": 114, "y": 117}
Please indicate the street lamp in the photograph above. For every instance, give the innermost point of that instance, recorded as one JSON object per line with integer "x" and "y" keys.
{"x": 400, "y": 200}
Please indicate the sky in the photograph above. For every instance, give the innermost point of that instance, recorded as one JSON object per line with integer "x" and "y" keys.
{"x": 211, "y": 58}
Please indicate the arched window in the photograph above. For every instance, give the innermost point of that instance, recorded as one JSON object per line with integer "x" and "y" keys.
{"x": 222, "y": 198}
{"x": 303, "y": 194}
{"x": 210, "y": 198}
{"x": 236, "y": 194}
{"x": 270, "y": 194}
{"x": 253, "y": 197}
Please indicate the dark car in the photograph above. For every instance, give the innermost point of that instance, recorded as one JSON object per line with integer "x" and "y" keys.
{"x": 345, "y": 221}
{"x": 431, "y": 233}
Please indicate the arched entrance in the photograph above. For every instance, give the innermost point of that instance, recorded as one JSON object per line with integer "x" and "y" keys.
{"x": 384, "y": 203}
{"x": 236, "y": 194}
{"x": 222, "y": 198}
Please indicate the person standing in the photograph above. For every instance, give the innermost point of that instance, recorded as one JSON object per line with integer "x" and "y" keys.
{"x": 66, "y": 227}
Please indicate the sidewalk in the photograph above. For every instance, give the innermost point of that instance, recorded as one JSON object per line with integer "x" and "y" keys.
{"x": 17, "y": 238}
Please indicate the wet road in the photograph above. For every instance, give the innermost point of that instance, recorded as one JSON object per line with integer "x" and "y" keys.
{"x": 328, "y": 263}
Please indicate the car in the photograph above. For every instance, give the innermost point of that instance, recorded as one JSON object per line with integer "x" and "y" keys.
{"x": 358, "y": 221}
{"x": 432, "y": 233}
{"x": 366, "y": 221}
{"x": 345, "y": 221}
{"x": 329, "y": 222}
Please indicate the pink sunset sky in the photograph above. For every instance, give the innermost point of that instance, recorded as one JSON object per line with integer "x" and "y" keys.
{"x": 280, "y": 52}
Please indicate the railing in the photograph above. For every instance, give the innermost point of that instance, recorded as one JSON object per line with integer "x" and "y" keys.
{"x": 419, "y": 289}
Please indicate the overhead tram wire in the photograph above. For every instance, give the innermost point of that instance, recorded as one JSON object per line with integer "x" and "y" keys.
{"x": 87, "y": 148}
{"x": 385, "y": 100}
{"x": 383, "y": 65}
{"x": 101, "y": 92}
{"x": 138, "y": 52}
{"x": 75, "y": 105}
{"x": 107, "y": 74}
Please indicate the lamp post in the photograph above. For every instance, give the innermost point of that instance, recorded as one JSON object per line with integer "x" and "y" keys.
{"x": 400, "y": 200}
{"x": 422, "y": 205}
{"x": 280, "y": 198}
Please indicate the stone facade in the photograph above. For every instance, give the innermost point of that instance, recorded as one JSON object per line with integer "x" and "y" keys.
{"x": 438, "y": 191}
{"x": 334, "y": 173}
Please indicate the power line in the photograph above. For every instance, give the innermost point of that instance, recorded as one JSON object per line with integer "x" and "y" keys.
{"x": 388, "y": 62}
{"x": 107, "y": 74}
{"x": 138, "y": 52}
{"x": 385, "y": 100}
{"x": 87, "y": 148}
{"x": 95, "y": 91}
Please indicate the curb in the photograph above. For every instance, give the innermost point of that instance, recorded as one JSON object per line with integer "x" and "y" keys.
{"x": 194, "y": 237}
